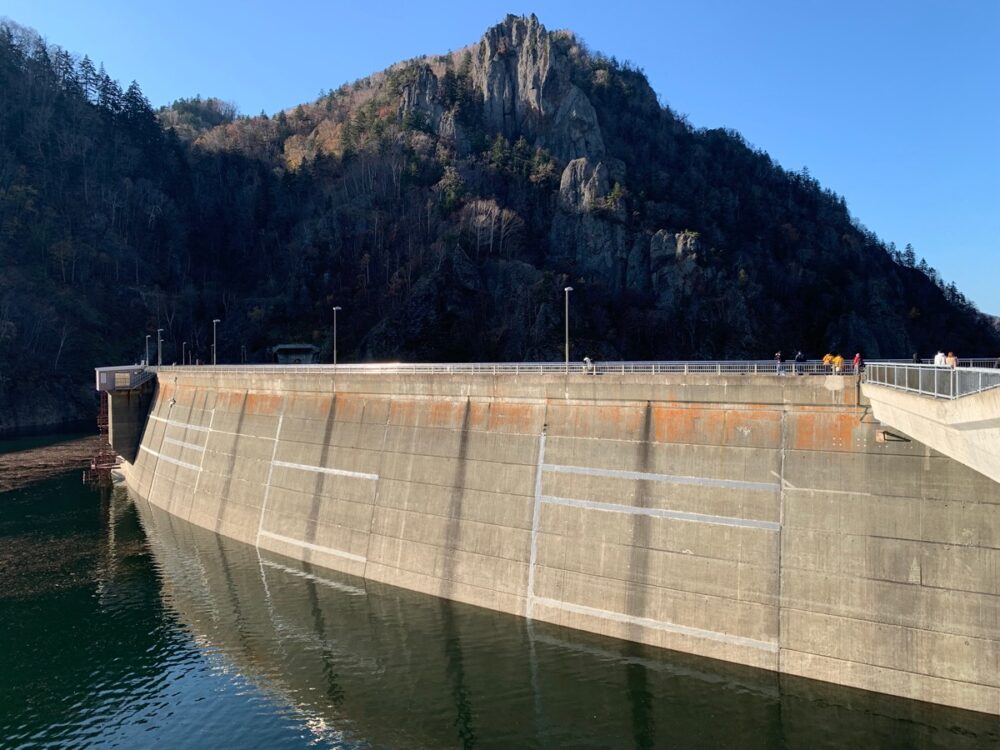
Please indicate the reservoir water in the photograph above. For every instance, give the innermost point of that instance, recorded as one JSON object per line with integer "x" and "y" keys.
{"x": 125, "y": 627}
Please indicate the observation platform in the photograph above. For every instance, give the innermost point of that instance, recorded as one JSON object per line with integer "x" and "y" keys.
{"x": 953, "y": 410}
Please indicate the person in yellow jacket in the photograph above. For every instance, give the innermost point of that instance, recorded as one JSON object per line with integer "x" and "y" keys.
{"x": 838, "y": 364}
{"x": 828, "y": 361}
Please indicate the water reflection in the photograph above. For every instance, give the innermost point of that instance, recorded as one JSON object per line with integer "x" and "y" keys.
{"x": 362, "y": 664}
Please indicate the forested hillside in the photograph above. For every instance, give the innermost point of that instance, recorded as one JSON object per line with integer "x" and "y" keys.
{"x": 443, "y": 204}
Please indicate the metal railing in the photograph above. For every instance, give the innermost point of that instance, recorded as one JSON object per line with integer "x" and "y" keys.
{"x": 884, "y": 372}
{"x": 929, "y": 380}
{"x": 745, "y": 367}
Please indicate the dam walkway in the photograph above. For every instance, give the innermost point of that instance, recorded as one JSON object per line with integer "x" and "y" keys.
{"x": 953, "y": 410}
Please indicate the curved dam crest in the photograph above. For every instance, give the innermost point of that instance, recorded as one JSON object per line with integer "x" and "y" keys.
{"x": 764, "y": 520}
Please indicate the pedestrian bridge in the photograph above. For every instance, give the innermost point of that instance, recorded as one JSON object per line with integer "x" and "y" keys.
{"x": 955, "y": 411}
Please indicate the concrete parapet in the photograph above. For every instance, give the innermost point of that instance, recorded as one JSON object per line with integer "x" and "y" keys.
{"x": 756, "y": 519}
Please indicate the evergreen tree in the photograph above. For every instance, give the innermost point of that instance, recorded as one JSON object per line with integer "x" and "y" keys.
{"x": 89, "y": 79}
{"x": 109, "y": 93}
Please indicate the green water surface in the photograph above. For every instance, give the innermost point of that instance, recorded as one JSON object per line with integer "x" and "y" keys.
{"x": 124, "y": 627}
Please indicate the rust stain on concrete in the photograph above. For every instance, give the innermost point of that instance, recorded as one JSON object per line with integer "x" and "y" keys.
{"x": 267, "y": 404}
{"x": 822, "y": 431}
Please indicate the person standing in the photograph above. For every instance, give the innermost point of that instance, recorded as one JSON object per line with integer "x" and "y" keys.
{"x": 859, "y": 362}
{"x": 828, "y": 361}
{"x": 838, "y": 364}
{"x": 939, "y": 359}
{"x": 951, "y": 360}
{"x": 779, "y": 360}
{"x": 800, "y": 360}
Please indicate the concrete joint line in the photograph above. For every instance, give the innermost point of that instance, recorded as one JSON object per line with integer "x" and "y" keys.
{"x": 732, "y": 484}
{"x": 325, "y": 470}
{"x": 781, "y": 518}
{"x": 535, "y": 518}
{"x": 315, "y": 547}
{"x": 675, "y": 515}
{"x": 182, "y": 444}
{"x": 669, "y": 627}
{"x": 267, "y": 487}
{"x": 161, "y": 457}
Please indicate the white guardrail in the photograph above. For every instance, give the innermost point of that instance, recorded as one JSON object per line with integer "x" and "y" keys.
{"x": 759, "y": 367}
{"x": 123, "y": 377}
{"x": 934, "y": 381}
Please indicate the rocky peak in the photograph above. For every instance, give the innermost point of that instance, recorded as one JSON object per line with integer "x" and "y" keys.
{"x": 525, "y": 82}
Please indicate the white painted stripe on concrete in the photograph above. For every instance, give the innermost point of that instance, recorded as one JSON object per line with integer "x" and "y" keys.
{"x": 670, "y": 627}
{"x": 346, "y": 588}
{"x": 182, "y": 444}
{"x": 535, "y": 518}
{"x": 201, "y": 464}
{"x": 676, "y": 515}
{"x": 198, "y": 428}
{"x": 325, "y": 470}
{"x": 732, "y": 484}
{"x": 169, "y": 460}
{"x": 316, "y": 547}
{"x": 267, "y": 487}
{"x": 175, "y": 423}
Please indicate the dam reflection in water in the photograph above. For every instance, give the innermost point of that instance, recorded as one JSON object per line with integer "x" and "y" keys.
{"x": 368, "y": 665}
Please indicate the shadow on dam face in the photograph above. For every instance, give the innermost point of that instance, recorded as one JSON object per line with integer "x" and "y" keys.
{"x": 388, "y": 667}
{"x": 453, "y": 529}
{"x": 640, "y": 699}
{"x": 312, "y": 524}
{"x": 230, "y": 474}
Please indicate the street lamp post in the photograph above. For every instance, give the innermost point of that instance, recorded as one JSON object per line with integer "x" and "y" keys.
{"x": 184, "y": 353}
{"x": 567, "y": 290}
{"x": 335, "y": 334}
{"x": 215, "y": 322}
{"x": 159, "y": 347}
{"x": 147, "y": 349}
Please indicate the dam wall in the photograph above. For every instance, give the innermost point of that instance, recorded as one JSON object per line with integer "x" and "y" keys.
{"x": 763, "y": 520}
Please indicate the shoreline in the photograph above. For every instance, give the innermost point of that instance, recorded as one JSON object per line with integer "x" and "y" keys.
{"x": 21, "y": 468}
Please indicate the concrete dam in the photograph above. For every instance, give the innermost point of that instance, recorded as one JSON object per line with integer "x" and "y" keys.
{"x": 764, "y": 520}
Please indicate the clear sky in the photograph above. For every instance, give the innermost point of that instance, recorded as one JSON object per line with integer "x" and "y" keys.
{"x": 894, "y": 104}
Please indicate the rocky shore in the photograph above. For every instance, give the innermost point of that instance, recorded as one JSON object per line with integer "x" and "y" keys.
{"x": 21, "y": 468}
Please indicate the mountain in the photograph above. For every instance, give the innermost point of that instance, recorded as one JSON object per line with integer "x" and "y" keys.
{"x": 443, "y": 203}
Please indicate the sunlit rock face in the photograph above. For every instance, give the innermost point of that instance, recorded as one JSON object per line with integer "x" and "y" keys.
{"x": 523, "y": 73}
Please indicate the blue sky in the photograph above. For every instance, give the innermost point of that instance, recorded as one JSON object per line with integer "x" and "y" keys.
{"x": 894, "y": 105}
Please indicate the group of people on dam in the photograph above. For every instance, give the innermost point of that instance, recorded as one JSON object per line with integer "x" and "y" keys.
{"x": 832, "y": 363}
